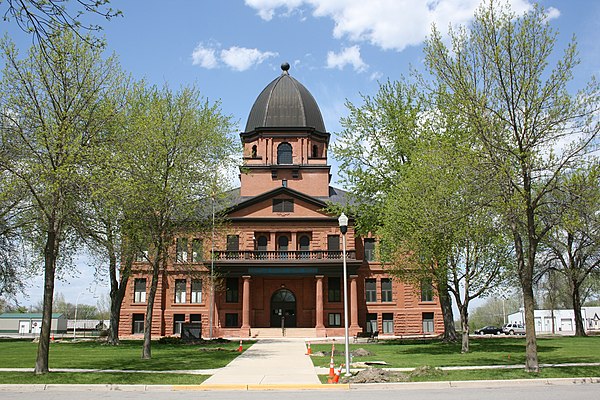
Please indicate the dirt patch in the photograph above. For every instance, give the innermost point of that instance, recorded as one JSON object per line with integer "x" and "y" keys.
{"x": 360, "y": 352}
{"x": 215, "y": 349}
{"x": 319, "y": 354}
{"x": 378, "y": 375}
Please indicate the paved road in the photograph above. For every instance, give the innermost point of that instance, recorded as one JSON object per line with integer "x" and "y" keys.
{"x": 412, "y": 392}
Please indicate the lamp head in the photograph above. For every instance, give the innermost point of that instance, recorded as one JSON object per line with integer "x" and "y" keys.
{"x": 343, "y": 221}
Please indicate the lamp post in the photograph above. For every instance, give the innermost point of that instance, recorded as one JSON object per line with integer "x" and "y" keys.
{"x": 343, "y": 221}
{"x": 212, "y": 271}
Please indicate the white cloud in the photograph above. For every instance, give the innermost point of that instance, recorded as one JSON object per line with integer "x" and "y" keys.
{"x": 348, "y": 56}
{"x": 388, "y": 24}
{"x": 237, "y": 58}
{"x": 204, "y": 57}
{"x": 242, "y": 58}
{"x": 375, "y": 76}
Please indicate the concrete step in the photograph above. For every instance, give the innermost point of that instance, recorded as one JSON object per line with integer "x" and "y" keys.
{"x": 277, "y": 333}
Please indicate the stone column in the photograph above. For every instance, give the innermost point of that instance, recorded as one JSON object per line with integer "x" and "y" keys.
{"x": 319, "y": 327}
{"x": 354, "y": 327}
{"x": 245, "y": 330}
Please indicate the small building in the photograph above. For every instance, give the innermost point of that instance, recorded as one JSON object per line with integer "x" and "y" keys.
{"x": 564, "y": 320}
{"x": 30, "y": 323}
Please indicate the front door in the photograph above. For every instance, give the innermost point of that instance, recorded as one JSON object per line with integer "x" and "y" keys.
{"x": 283, "y": 309}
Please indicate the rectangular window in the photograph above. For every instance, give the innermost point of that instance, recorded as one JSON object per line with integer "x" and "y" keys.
{"x": 333, "y": 246}
{"x": 233, "y": 246}
{"x": 371, "y": 323}
{"x": 196, "y": 291}
{"x": 180, "y": 290}
{"x": 139, "y": 290}
{"x": 181, "y": 250}
{"x": 283, "y": 205}
{"x": 138, "y": 324}
{"x": 426, "y": 290}
{"x": 335, "y": 319}
{"x": 369, "y": 249}
{"x": 427, "y": 322}
{"x": 178, "y": 320}
{"x": 197, "y": 250}
{"x": 388, "y": 323}
{"x": 232, "y": 290}
{"x": 142, "y": 256}
{"x": 231, "y": 320}
{"x": 195, "y": 318}
{"x": 334, "y": 290}
{"x": 370, "y": 290}
{"x": 386, "y": 289}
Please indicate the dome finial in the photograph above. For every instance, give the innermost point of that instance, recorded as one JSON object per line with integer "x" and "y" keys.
{"x": 285, "y": 67}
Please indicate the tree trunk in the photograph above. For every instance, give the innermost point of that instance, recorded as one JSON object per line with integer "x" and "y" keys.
{"x": 147, "y": 347}
{"x": 450, "y": 334}
{"x": 50, "y": 252}
{"x": 464, "y": 324}
{"x": 576, "y": 297}
{"x": 531, "y": 358}
{"x": 117, "y": 292}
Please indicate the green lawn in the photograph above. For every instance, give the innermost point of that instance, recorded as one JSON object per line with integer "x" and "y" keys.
{"x": 484, "y": 351}
{"x": 127, "y": 356}
{"x": 102, "y": 378}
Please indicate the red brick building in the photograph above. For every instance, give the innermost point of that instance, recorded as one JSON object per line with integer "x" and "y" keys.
{"x": 279, "y": 258}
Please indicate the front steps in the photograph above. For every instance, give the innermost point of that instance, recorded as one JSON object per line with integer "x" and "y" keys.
{"x": 260, "y": 333}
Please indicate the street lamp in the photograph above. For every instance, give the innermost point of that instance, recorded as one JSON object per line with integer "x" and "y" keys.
{"x": 343, "y": 221}
{"x": 212, "y": 272}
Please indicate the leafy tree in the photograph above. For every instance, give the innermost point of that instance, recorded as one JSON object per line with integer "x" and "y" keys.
{"x": 175, "y": 143}
{"x": 530, "y": 127}
{"x": 54, "y": 102}
{"x": 374, "y": 148}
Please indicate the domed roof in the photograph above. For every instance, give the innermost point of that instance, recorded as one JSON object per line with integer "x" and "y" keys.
{"x": 285, "y": 103}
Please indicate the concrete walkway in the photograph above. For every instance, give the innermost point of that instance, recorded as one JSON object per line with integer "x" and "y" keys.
{"x": 269, "y": 362}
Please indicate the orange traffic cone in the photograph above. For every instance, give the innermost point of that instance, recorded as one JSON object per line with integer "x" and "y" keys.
{"x": 336, "y": 378}
{"x": 331, "y": 367}
{"x": 53, "y": 337}
{"x": 308, "y": 351}
{"x": 241, "y": 348}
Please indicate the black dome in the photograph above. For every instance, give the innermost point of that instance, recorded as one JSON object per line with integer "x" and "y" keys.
{"x": 285, "y": 103}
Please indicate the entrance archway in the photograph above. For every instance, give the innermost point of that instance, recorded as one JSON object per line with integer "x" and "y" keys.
{"x": 283, "y": 307}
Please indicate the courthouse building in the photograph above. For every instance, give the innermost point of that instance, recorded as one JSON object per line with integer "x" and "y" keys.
{"x": 278, "y": 258}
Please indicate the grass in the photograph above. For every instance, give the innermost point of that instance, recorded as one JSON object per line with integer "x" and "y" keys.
{"x": 127, "y": 356}
{"x": 483, "y": 351}
{"x": 74, "y": 378}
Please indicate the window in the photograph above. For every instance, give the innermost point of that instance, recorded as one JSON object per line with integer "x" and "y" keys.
{"x": 370, "y": 290}
{"x": 139, "y": 290}
{"x": 371, "y": 322}
{"x": 315, "y": 151}
{"x": 233, "y": 246}
{"x": 284, "y": 153}
{"x": 254, "y": 152}
{"x": 334, "y": 290}
{"x": 304, "y": 246}
{"x": 426, "y": 290}
{"x": 178, "y": 320}
{"x": 142, "y": 256}
{"x": 232, "y": 290}
{"x": 196, "y": 291}
{"x": 196, "y": 318}
{"x": 180, "y": 290}
{"x": 333, "y": 246}
{"x": 261, "y": 246}
{"x": 388, "y": 323}
{"x": 231, "y": 320}
{"x": 386, "y": 289}
{"x": 369, "y": 249}
{"x": 182, "y": 250}
{"x": 197, "y": 250}
{"x": 138, "y": 323}
{"x": 427, "y": 322}
{"x": 282, "y": 246}
{"x": 283, "y": 205}
{"x": 335, "y": 319}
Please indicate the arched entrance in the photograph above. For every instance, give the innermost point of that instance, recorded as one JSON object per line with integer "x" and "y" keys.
{"x": 283, "y": 306}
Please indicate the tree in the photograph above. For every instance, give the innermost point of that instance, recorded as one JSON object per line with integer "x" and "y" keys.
{"x": 54, "y": 101}
{"x": 529, "y": 125}
{"x": 175, "y": 144}
{"x": 574, "y": 242}
{"x": 374, "y": 148}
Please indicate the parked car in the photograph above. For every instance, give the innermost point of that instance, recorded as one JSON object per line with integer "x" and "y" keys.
{"x": 489, "y": 330}
{"x": 513, "y": 329}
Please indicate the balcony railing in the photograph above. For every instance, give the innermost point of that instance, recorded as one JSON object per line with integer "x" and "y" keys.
{"x": 284, "y": 255}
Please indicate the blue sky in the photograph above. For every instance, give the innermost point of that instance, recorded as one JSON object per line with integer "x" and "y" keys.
{"x": 337, "y": 48}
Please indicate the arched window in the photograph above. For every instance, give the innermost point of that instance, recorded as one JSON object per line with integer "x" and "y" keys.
{"x": 254, "y": 154}
{"x": 282, "y": 246}
{"x": 261, "y": 246}
{"x": 304, "y": 246}
{"x": 315, "y": 151}
{"x": 284, "y": 153}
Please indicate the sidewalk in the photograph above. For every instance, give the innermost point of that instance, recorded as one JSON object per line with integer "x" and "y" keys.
{"x": 269, "y": 362}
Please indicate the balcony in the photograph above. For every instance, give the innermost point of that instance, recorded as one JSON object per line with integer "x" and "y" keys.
{"x": 300, "y": 255}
